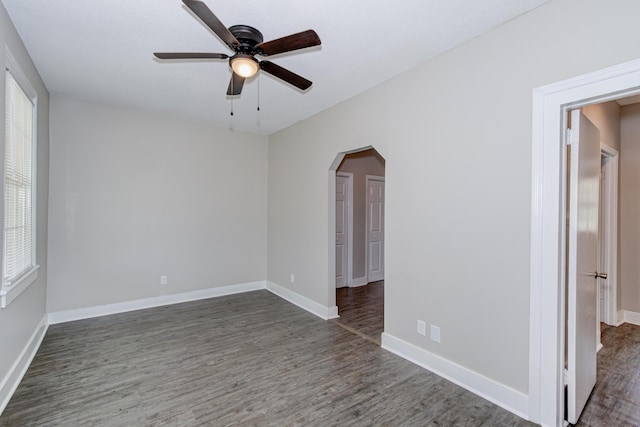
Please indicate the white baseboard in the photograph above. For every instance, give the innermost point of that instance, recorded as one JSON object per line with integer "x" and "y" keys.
{"x": 631, "y": 317}
{"x": 358, "y": 281}
{"x": 11, "y": 381}
{"x": 122, "y": 307}
{"x": 303, "y": 302}
{"x": 620, "y": 317}
{"x": 491, "y": 390}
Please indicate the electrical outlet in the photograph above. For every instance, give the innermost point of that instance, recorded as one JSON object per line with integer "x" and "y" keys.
{"x": 422, "y": 328}
{"x": 435, "y": 333}
{"x": 163, "y": 280}
{"x": 292, "y": 278}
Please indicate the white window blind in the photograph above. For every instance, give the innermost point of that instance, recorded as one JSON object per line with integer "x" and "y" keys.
{"x": 18, "y": 252}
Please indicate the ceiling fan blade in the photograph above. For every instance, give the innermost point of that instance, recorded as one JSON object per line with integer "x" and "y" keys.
{"x": 189, "y": 55}
{"x": 235, "y": 85}
{"x": 288, "y": 43}
{"x": 212, "y": 21}
{"x": 286, "y": 75}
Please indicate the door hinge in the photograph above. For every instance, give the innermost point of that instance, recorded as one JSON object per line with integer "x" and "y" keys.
{"x": 567, "y": 377}
{"x": 572, "y": 137}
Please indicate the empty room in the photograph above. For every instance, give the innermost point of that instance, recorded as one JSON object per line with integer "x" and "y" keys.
{"x": 186, "y": 205}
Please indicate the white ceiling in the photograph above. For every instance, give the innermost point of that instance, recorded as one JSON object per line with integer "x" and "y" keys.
{"x": 101, "y": 50}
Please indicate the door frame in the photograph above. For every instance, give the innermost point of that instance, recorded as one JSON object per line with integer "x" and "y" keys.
{"x": 348, "y": 273}
{"x": 548, "y": 217}
{"x": 609, "y": 244}
{"x": 368, "y": 179}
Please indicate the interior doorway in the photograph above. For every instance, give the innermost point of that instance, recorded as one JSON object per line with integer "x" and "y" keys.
{"x": 606, "y": 120}
{"x": 374, "y": 229}
{"x": 359, "y": 217}
{"x": 548, "y": 264}
{"x": 358, "y": 242}
{"x": 344, "y": 228}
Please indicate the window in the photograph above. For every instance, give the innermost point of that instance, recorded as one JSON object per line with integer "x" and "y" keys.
{"x": 19, "y": 267}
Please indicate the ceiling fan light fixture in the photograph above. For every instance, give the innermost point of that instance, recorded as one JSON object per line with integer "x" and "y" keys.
{"x": 246, "y": 41}
{"x": 244, "y": 65}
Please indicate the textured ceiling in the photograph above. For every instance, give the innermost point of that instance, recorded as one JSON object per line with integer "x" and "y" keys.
{"x": 101, "y": 50}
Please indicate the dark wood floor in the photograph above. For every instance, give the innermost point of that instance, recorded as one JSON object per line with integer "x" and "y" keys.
{"x": 250, "y": 359}
{"x": 361, "y": 310}
{"x": 615, "y": 401}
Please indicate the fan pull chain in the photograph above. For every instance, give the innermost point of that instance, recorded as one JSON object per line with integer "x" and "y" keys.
{"x": 258, "y": 109}
{"x": 231, "y": 106}
{"x": 231, "y": 97}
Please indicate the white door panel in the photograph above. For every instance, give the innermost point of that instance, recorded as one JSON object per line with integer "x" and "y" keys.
{"x": 375, "y": 229}
{"x": 584, "y": 185}
{"x": 342, "y": 225}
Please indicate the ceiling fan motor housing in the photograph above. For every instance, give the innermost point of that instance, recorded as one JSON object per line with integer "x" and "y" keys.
{"x": 248, "y": 37}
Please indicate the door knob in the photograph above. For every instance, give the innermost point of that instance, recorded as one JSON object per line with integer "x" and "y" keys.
{"x": 598, "y": 275}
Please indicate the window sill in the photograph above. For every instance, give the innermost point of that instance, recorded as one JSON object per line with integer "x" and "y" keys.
{"x": 9, "y": 293}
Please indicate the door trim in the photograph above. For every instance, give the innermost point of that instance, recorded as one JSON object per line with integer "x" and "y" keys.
{"x": 609, "y": 254}
{"x": 368, "y": 179}
{"x": 349, "y": 272}
{"x": 548, "y": 216}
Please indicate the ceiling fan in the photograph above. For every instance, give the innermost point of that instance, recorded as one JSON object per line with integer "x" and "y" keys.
{"x": 247, "y": 42}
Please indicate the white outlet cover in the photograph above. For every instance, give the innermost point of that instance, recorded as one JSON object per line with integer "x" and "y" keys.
{"x": 435, "y": 333}
{"x": 422, "y": 327}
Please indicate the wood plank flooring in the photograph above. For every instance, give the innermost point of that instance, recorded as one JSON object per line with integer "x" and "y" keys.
{"x": 615, "y": 400}
{"x": 249, "y": 359}
{"x": 361, "y": 310}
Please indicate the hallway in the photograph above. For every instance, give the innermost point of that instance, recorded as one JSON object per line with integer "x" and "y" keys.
{"x": 361, "y": 310}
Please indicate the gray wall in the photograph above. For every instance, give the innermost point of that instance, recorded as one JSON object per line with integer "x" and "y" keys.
{"x": 630, "y": 208}
{"x": 19, "y": 320}
{"x": 136, "y": 195}
{"x": 457, "y": 147}
{"x": 361, "y": 164}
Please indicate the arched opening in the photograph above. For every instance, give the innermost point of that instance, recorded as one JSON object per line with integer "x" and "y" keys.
{"x": 356, "y": 232}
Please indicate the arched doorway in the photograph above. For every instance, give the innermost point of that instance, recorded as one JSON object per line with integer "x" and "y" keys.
{"x": 357, "y": 241}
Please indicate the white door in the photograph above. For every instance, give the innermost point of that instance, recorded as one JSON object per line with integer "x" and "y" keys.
{"x": 342, "y": 230}
{"x": 584, "y": 186}
{"x": 375, "y": 228}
